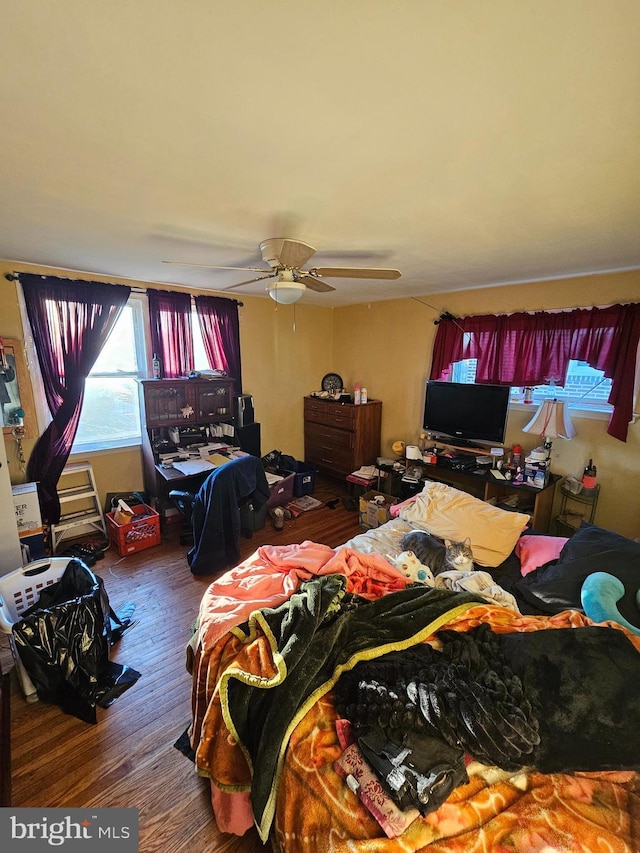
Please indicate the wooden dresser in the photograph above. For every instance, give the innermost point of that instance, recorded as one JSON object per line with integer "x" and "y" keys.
{"x": 340, "y": 437}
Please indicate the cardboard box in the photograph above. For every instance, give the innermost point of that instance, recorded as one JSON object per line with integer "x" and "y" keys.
{"x": 536, "y": 473}
{"x": 374, "y": 509}
{"x": 170, "y": 515}
{"x": 29, "y": 521}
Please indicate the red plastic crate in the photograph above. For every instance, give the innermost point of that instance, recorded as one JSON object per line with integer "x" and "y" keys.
{"x": 141, "y": 532}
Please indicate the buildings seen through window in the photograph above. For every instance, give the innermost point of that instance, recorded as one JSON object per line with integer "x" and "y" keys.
{"x": 584, "y": 388}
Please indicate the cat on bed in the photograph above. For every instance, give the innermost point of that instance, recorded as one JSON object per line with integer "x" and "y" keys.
{"x": 440, "y": 555}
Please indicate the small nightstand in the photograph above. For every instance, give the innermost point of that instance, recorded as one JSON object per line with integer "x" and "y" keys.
{"x": 576, "y": 508}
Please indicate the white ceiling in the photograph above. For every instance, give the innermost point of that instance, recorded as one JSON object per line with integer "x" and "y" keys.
{"x": 463, "y": 142}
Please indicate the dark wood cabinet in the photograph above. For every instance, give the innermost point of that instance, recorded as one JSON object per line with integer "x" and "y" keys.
{"x": 178, "y": 412}
{"x": 340, "y": 437}
{"x": 538, "y": 503}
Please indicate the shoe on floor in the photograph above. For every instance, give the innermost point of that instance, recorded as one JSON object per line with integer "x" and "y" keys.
{"x": 88, "y": 553}
{"x": 83, "y": 555}
{"x": 277, "y": 518}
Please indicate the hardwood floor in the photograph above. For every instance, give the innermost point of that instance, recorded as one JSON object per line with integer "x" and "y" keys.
{"x": 128, "y": 758}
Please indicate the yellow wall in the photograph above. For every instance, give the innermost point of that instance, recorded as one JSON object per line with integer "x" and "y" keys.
{"x": 386, "y": 346}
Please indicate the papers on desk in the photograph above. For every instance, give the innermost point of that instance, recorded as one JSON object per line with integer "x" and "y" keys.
{"x": 217, "y": 459}
{"x": 209, "y": 449}
{"x": 194, "y": 466}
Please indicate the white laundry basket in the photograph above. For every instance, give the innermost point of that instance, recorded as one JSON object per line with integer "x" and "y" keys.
{"x": 20, "y": 590}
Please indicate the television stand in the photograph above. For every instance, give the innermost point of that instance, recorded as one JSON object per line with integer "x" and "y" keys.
{"x": 474, "y": 451}
{"x": 538, "y": 503}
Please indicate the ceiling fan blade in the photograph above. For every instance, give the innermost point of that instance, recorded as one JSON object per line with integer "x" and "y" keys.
{"x": 287, "y": 253}
{"x": 213, "y": 267}
{"x": 355, "y": 272}
{"x": 315, "y": 283}
{"x": 250, "y": 281}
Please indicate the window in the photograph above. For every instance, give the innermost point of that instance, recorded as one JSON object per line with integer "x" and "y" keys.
{"x": 111, "y": 411}
{"x": 200, "y": 360}
{"x": 585, "y": 387}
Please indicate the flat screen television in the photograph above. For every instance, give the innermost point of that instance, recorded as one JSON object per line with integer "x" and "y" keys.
{"x": 470, "y": 414}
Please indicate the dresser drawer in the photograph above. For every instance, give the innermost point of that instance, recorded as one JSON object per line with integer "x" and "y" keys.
{"x": 335, "y": 459}
{"x": 327, "y": 436}
{"x": 330, "y": 413}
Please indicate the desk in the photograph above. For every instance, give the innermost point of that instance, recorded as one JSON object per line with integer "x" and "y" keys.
{"x": 538, "y": 503}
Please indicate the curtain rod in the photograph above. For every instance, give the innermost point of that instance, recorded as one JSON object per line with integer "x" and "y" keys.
{"x": 15, "y": 276}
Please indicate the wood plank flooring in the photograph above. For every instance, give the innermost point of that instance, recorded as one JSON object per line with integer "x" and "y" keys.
{"x": 128, "y": 757}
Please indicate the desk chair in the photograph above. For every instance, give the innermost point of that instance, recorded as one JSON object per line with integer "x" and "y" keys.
{"x": 232, "y": 500}
{"x": 252, "y": 515}
{"x": 183, "y": 502}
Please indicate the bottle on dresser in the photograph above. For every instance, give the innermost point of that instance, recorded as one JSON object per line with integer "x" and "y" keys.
{"x": 589, "y": 476}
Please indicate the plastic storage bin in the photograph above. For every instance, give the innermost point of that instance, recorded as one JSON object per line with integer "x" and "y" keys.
{"x": 20, "y": 590}
{"x": 305, "y": 478}
{"x": 143, "y": 531}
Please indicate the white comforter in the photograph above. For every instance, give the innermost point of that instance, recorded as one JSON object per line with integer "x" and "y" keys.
{"x": 387, "y": 541}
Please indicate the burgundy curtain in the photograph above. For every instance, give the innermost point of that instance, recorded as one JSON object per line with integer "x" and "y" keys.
{"x": 171, "y": 335}
{"x": 70, "y": 322}
{"x": 531, "y": 349}
{"x": 220, "y": 327}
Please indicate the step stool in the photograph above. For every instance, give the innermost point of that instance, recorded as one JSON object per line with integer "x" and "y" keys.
{"x": 77, "y": 486}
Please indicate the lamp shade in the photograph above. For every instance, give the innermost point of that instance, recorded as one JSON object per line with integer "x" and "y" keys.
{"x": 286, "y": 292}
{"x": 551, "y": 420}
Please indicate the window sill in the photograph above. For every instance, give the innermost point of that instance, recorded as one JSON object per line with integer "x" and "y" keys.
{"x": 102, "y": 450}
{"x": 574, "y": 410}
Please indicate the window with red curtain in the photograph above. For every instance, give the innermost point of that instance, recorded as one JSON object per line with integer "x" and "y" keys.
{"x": 529, "y": 349}
{"x": 220, "y": 327}
{"x": 171, "y": 335}
{"x": 70, "y": 322}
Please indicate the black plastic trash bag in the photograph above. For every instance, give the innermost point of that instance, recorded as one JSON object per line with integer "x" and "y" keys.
{"x": 64, "y": 640}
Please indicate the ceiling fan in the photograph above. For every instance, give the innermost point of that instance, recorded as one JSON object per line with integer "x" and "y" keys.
{"x": 286, "y": 258}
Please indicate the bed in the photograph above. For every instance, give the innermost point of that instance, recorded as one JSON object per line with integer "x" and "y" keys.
{"x": 339, "y": 706}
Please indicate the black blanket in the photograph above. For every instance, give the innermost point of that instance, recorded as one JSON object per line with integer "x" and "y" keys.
{"x": 314, "y": 640}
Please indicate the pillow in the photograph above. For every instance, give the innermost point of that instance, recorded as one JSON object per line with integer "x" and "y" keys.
{"x": 600, "y": 594}
{"x": 535, "y": 551}
{"x": 451, "y": 514}
{"x": 557, "y": 586}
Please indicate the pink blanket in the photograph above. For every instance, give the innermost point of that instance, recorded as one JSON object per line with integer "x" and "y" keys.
{"x": 274, "y": 572}
{"x": 266, "y": 579}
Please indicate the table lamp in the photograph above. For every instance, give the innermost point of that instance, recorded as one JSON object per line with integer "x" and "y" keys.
{"x": 552, "y": 420}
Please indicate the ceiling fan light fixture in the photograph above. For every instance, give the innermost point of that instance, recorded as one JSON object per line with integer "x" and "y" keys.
{"x": 286, "y": 292}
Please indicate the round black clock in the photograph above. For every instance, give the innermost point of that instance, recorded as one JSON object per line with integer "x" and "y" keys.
{"x": 332, "y": 383}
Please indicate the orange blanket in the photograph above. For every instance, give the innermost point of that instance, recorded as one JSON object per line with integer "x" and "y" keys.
{"x": 518, "y": 813}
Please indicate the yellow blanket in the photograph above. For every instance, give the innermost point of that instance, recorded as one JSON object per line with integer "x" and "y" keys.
{"x": 451, "y": 514}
